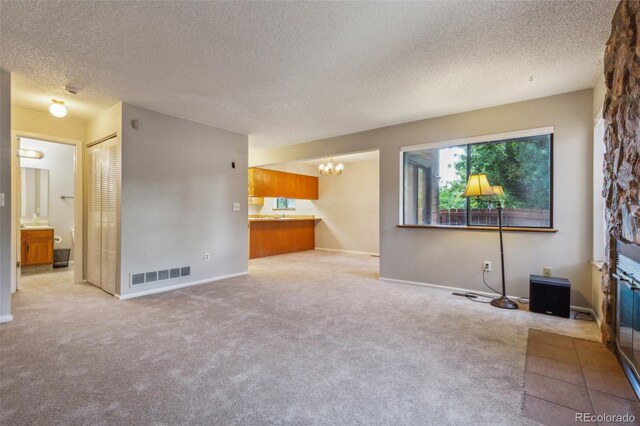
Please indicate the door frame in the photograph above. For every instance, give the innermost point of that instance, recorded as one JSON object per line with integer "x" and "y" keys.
{"x": 78, "y": 255}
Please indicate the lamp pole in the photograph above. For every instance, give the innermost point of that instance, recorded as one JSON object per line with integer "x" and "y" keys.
{"x": 502, "y": 301}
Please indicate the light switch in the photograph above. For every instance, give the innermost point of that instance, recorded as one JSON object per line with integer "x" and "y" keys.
{"x": 2, "y": 199}
{"x": 236, "y": 207}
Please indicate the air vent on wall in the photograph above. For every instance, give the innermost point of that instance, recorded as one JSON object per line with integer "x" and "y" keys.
{"x": 163, "y": 274}
{"x": 137, "y": 279}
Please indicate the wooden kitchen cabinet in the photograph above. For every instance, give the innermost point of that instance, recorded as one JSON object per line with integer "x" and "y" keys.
{"x": 36, "y": 247}
{"x": 306, "y": 187}
{"x": 271, "y": 237}
{"x": 271, "y": 183}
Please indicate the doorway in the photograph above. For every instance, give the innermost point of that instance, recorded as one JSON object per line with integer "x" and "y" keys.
{"x": 45, "y": 213}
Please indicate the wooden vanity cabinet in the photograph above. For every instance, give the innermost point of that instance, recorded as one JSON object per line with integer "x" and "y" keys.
{"x": 36, "y": 247}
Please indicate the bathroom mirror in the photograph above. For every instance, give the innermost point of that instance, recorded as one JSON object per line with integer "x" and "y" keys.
{"x": 35, "y": 192}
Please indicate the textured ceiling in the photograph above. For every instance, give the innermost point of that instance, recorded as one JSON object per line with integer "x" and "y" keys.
{"x": 287, "y": 72}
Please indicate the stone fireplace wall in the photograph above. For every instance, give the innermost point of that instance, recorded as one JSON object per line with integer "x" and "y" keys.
{"x": 621, "y": 113}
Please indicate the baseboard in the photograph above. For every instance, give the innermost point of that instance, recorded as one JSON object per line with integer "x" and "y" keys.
{"x": 177, "y": 286}
{"x": 349, "y": 251}
{"x": 443, "y": 287}
{"x": 589, "y": 311}
{"x": 6, "y": 318}
{"x": 482, "y": 293}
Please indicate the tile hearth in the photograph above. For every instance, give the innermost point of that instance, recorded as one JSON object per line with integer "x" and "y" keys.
{"x": 565, "y": 376}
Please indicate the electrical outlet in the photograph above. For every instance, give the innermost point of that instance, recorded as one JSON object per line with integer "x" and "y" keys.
{"x": 236, "y": 207}
{"x": 487, "y": 266}
{"x": 207, "y": 256}
{"x": 546, "y": 271}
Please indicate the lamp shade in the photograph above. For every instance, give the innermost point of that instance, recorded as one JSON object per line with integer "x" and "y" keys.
{"x": 497, "y": 189}
{"x": 478, "y": 186}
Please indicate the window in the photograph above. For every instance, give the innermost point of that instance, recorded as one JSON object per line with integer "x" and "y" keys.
{"x": 434, "y": 180}
{"x": 284, "y": 203}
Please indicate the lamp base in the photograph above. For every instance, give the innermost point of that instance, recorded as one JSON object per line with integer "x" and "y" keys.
{"x": 504, "y": 303}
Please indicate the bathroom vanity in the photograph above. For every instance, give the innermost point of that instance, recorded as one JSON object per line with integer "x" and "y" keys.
{"x": 36, "y": 246}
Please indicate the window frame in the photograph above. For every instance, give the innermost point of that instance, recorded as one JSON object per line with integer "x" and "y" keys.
{"x": 275, "y": 204}
{"x": 492, "y": 138}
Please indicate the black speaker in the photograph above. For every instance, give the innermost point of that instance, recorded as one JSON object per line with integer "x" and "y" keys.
{"x": 549, "y": 295}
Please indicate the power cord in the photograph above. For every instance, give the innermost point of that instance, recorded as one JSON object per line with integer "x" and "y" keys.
{"x": 484, "y": 270}
{"x": 472, "y": 296}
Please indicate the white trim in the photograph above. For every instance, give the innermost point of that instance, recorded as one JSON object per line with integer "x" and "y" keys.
{"x": 6, "y": 318}
{"x": 481, "y": 293}
{"x": 177, "y": 286}
{"x": 598, "y": 118}
{"x": 482, "y": 138}
{"x": 349, "y": 251}
{"x": 587, "y": 311}
{"x": 443, "y": 287}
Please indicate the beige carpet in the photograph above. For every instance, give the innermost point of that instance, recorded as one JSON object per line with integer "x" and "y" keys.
{"x": 307, "y": 338}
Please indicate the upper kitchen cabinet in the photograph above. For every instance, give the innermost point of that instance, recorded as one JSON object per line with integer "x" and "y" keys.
{"x": 271, "y": 183}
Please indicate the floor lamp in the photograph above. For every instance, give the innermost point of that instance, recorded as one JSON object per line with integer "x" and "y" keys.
{"x": 478, "y": 186}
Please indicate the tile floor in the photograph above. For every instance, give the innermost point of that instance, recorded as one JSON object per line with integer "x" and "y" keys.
{"x": 565, "y": 376}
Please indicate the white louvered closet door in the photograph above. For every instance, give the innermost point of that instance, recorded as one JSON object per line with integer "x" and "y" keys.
{"x": 94, "y": 214}
{"x": 101, "y": 215}
{"x": 109, "y": 234}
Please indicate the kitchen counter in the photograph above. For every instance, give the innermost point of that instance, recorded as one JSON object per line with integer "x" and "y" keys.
{"x": 271, "y": 218}
{"x": 281, "y": 219}
{"x": 270, "y": 235}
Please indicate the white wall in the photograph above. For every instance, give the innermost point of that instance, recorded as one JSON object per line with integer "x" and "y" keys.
{"x": 349, "y": 205}
{"x": 59, "y": 159}
{"x": 177, "y": 193}
{"x": 24, "y": 120}
{"x": 454, "y": 257}
{"x": 105, "y": 124}
{"x": 6, "y": 261}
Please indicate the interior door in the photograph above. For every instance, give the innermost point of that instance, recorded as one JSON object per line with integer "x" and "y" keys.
{"x": 94, "y": 214}
{"x": 101, "y": 215}
{"x": 108, "y": 216}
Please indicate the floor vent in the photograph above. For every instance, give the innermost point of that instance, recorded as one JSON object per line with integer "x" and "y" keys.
{"x": 161, "y": 275}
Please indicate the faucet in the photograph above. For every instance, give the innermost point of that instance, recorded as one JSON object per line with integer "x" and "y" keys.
{"x": 34, "y": 222}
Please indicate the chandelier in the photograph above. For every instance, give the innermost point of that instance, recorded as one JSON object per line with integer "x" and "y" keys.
{"x": 330, "y": 168}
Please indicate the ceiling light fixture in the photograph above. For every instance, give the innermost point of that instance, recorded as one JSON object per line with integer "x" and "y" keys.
{"x": 330, "y": 168}
{"x": 29, "y": 153}
{"x": 57, "y": 108}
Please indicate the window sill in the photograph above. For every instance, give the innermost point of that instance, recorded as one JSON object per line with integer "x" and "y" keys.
{"x": 481, "y": 228}
{"x": 597, "y": 264}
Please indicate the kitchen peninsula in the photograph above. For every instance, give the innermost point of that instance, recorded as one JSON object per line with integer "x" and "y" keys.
{"x": 270, "y": 235}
